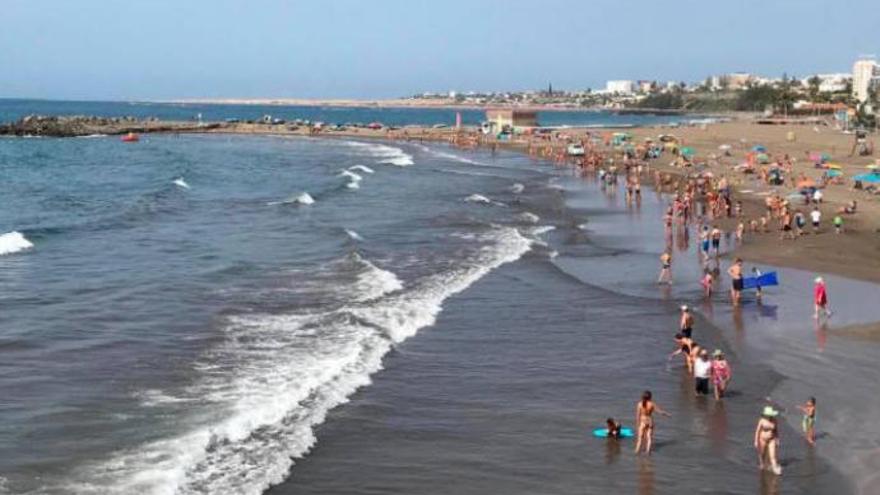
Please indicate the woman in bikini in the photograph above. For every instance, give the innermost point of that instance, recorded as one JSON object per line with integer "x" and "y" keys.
{"x": 683, "y": 345}
{"x": 767, "y": 440}
{"x": 645, "y": 409}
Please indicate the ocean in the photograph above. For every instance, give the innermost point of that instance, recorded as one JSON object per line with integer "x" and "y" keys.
{"x": 11, "y": 110}
{"x": 255, "y": 314}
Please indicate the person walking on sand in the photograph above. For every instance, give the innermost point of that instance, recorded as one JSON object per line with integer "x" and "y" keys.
{"x": 686, "y": 323}
{"x": 736, "y": 280}
{"x": 820, "y": 298}
{"x": 645, "y": 409}
{"x": 816, "y": 218}
{"x": 808, "y": 423}
{"x": 665, "y": 268}
{"x": 721, "y": 373}
{"x": 767, "y": 440}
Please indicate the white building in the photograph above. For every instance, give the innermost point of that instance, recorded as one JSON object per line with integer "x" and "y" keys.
{"x": 830, "y": 83}
{"x": 865, "y": 73}
{"x": 620, "y": 87}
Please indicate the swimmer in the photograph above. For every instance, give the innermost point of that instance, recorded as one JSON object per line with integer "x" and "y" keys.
{"x": 767, "y": 440}
{"x": 808, "y": 423}
{"x": 683, "y": 346}
{"x": 645, "y": 420}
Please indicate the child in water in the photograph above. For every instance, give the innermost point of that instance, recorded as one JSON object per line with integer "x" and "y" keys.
{"x": 808, "y": 423}
{"x": 613, "y": 427}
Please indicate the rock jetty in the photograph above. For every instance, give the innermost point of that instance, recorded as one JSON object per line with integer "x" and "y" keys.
{"x": 79, "y": 125}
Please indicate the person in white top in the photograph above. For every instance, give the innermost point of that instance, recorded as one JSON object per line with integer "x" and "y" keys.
{"x": 817, "y": 196}
{"x": 702, "y": 372}
{"x": 816, "y": 217}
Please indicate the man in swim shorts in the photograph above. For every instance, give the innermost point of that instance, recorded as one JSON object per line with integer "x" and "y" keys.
{"x": 686, "y": 324}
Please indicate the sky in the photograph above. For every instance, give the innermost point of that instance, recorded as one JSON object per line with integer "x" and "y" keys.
{"x": 170, "y": 49}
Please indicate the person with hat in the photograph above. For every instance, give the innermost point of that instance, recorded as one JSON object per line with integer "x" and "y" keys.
{"x": 820, "y": 298}
{"x": 702, "y": 373}
{"x": 767, "y": 440}
{"x": 686, "y": 323}
{"x": 721, "y": 374}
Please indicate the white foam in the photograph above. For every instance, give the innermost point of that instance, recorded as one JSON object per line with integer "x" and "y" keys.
{"x": 543, "y": 229}
{"x": 275, "y": 377}
{"x": 305, "y": 199}
{"x": 517, "y": 188}
{"x": 351, "y": 175}
{"x": 528, "y": 217}
{"x": 353, "y": 235}
{"x": 478, "y": 198}
{"x": 179, "y": 182}
{"x": 388, "y": 155}
{"x": 362, "y": 168}
{"x": 13, "y": 242}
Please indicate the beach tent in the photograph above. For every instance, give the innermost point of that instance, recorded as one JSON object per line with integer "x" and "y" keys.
{"x": 759, "y": 149}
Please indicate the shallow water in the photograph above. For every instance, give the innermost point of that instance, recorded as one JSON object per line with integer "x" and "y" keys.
{"x": 199, "y": 339}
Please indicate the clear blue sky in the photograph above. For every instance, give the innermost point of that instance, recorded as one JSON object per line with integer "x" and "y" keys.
{"x": 158, "y": 49}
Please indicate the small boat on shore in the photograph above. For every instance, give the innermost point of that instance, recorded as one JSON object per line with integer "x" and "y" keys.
{"x": 130, "y": 138}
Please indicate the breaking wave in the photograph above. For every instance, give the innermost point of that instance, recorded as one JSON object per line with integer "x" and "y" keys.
{"x": 13, "y": 242}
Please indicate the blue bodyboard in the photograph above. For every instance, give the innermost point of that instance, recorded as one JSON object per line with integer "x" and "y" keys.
{"x": 603, "y": 433}
{"x": 764, "y": 280}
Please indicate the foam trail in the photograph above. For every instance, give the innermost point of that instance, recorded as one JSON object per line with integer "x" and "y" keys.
{"x": 305, "y": 199}
{"x": 478, "y": 198}
{"x": 353, "y": 235}
{"x": 528, "y": 217}
{"x": 388, "y": 155}
{"x": 351, "y": 175}
{"x": 275, "y": 377}
{"x": 13, "y": 242}
{"x": 179, "y": 182}
{"x": 517, "y": 188}
{"x": 362, "y": 168}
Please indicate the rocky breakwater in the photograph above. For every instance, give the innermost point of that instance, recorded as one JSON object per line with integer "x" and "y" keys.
{"x": 72, "y": 126}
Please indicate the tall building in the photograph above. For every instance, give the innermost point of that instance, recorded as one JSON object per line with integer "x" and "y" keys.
{"x": 865, "y": 73}
{"x": 621, "y": 87}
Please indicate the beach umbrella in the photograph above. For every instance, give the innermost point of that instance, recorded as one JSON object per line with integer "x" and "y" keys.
{"x": 763, "y": 158}
{"x": 825, "y": 157}
{"x": 687, "y": 151}
{"x": 872, "y": 177}
{"x": 833, "y": 166}
{"x": 815, "y": 157}
{"x": 759, "y": 149}
{"x": 834, "y": 173}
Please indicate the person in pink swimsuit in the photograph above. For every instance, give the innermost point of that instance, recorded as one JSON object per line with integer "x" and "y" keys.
{"x": 820, "y": 298}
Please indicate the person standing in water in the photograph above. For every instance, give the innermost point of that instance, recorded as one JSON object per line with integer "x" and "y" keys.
{"x": 767, "y": 440}
{"x": 736, "y": 280}
{"x": 645, "y": 409}
{"x": 686, "y": 323}
{"x": 665, "y": 268}
{"x": 808, "y": 423}
{"x": 720, "y": 373}
{"x": 702, "y": 373}
{"x": 820, "y": 298}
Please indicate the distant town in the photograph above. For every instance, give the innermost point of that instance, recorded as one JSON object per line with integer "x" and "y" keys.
{"x": 856, "y": 93}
